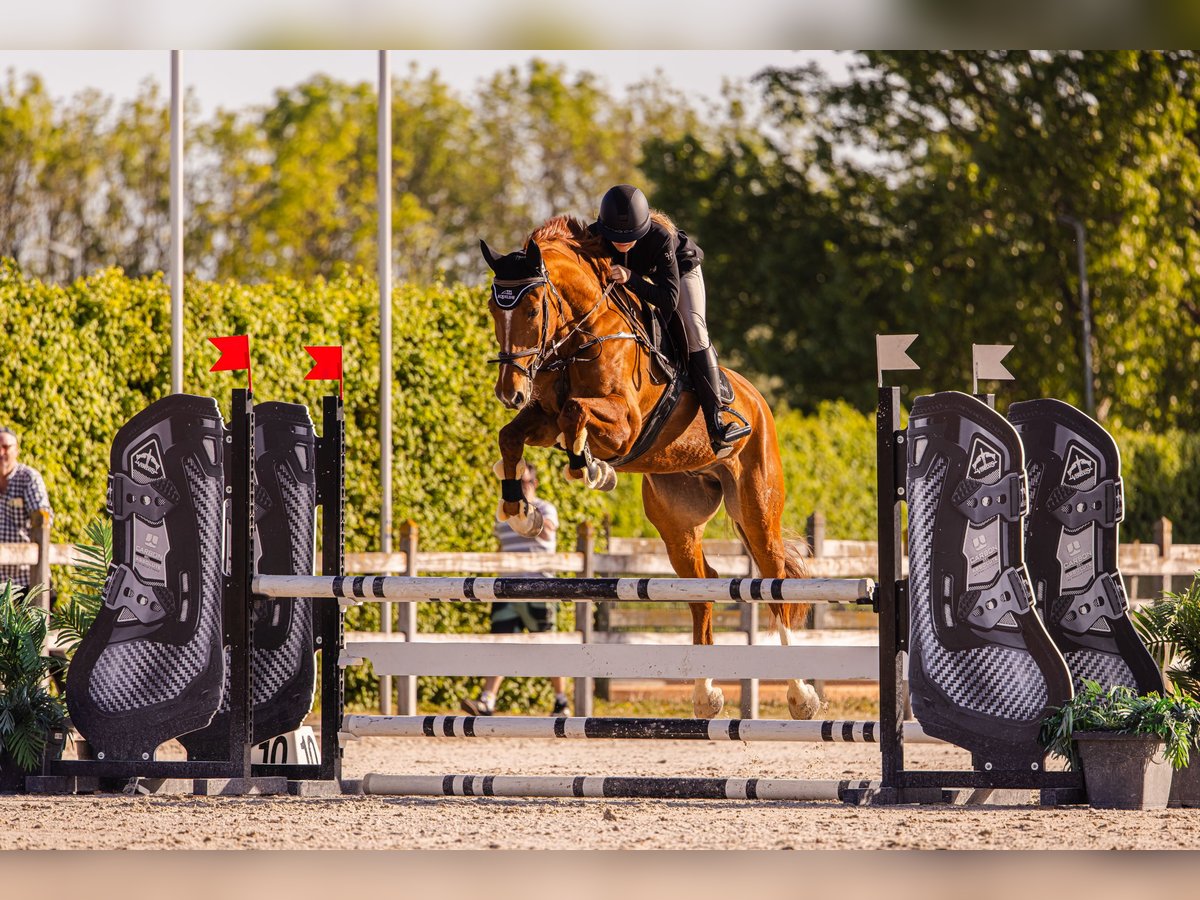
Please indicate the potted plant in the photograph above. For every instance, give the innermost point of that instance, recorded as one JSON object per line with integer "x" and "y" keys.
{"x": 1127, "y": 744}
{"x": 72, "y": 619}
{"x": 29, "y": 711}
{"x": 1171, "y": 629}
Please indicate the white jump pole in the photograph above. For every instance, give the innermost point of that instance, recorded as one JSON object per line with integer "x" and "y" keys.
{"x": 666, "y": 590}
{"x": 610, "y": 786}
{"x": 581, "y": 728}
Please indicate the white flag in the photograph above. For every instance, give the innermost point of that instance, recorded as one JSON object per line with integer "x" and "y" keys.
{"x": 891, "y": 355}
{"x": 987, "y": 363}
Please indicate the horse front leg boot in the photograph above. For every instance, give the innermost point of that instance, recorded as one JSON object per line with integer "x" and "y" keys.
{"x": 150, "y": 668}
{"x": 281, "y": 659}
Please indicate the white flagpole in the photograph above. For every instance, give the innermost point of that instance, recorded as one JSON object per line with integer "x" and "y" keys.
{"x": 384, "y": 187}
{"x": 176, "y": 216}
{"x": 385, "y": 300}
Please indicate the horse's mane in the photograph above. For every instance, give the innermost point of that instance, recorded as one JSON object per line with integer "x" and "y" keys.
{"x": 571, "y": 236}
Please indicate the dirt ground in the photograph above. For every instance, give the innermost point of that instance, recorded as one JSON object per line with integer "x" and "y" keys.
{"x": 396, "y": 823}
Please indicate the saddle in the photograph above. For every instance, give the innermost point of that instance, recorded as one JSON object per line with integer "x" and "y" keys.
{"x": 668, "y": 361}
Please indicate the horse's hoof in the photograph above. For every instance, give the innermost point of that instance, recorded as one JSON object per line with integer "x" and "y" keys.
{"x": 803, "y": 701}
{"x": 610, "y": 479}
{"x": 708, "y": 705}
{"x": 600, "y": 476}
{"x": 572, "y": 474}
{"x": 593, "y": 473}
{"x": 529, "y": 523}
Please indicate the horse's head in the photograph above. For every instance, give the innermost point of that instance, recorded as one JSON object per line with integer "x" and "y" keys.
{"x": 520, "y": 312}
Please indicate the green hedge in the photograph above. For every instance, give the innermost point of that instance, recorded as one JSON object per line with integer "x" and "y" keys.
{"x": 81, "y": 359}
{"x": 1162, "y": 479}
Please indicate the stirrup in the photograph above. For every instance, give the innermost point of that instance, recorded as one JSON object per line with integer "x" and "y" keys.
{"x": 731, "y": 432}
{"x": 722, "y": 441}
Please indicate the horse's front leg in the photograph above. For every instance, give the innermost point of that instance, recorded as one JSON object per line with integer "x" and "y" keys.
{"x": 529, "y": 426}
{"x": 588, "y": 422}
{"x": 707, "y": 699}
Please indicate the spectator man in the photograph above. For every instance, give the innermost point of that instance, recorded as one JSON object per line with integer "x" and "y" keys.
{"x": 512, "y": 618}
{"x": 22, "y": 491}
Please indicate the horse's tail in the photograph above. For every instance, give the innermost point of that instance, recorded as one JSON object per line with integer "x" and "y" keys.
{"x": 789, "y": 615}
{"x": 793, "y": 615}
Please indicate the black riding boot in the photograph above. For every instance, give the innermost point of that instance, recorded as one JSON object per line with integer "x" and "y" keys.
{"x": 706, "y": 379}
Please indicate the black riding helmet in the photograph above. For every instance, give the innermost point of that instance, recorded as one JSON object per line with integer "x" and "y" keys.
{"x": 624, "y": 214}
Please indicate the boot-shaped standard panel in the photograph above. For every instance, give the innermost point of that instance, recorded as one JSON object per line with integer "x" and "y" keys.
{"x": 151, "y": 668}
{"x": 1071, "y": 539}
{"x": 983, "y": 672}
{"x": 285, "y": 500}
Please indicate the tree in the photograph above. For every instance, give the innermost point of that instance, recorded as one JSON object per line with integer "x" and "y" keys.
{"x": 972, "y": 160}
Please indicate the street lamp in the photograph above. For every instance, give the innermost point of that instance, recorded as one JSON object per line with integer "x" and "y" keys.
{"x": 1085, "y": 305}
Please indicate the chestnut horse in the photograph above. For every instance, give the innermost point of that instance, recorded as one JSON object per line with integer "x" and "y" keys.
{"x": 575, "y": 365}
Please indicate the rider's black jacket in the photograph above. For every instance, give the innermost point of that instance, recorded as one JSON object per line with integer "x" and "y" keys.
{"x": 661, "y": 257}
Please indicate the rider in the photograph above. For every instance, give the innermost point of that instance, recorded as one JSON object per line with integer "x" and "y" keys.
{"x": 661, "y": 264}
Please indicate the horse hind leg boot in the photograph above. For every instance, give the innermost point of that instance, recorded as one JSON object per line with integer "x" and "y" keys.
{"x": 983, "y": 672}
{"x": 285, "y": 502}
{"x": 1074, "y": 471}
{"x": 150, "y": 668}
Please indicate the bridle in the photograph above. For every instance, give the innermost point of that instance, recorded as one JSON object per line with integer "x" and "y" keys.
{"x": 508, "y": 292}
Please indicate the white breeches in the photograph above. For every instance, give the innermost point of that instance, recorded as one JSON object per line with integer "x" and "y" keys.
{"x": 692, "y": 301}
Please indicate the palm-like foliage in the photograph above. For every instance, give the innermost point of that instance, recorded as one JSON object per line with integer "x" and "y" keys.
{"x": 94, "y": 556}
{"x": 1171, "y": 629}
{"x": 28, "y": 710}
{"x": 1173, "y": 719}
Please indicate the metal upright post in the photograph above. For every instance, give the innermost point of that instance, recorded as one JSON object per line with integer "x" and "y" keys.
{"x": 748, "y": 622}
{"x": 407, "y": 614}
{"x": 585, "y": 543}
{"x": 892, "y": 592}
{"x": 239, "y": 621}
{"x": 330, "y": 637}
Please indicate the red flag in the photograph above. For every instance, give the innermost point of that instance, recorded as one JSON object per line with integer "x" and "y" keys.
{"x": 235, "y": 356}
{"x": 327, "y": 365}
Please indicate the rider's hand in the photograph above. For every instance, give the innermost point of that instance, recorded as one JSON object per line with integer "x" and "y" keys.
{"x": 619, "y": 275}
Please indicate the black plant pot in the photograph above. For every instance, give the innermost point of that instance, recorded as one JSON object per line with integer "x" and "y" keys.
{"x": 1185, "y": 784}
{"x": 56, "y": 740}
{"x": 12, "y": 776}
{"x": 1124, "y": 771}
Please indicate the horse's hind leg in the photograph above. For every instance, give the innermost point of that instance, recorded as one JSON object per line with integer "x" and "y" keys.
{"x": 679, "y": 506}
{"x": 756, "y": 506}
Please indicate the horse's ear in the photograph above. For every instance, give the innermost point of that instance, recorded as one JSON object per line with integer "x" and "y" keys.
{"x": 533, "y": 254}
{"x": 489, "y": 255}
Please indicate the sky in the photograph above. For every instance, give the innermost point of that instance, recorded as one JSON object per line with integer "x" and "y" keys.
{"x": 233, "y": 79}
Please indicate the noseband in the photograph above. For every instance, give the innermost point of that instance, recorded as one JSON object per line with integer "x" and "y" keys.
{"x": 508, "y": 293}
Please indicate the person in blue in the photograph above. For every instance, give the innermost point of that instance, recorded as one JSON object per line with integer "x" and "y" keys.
{"x": 513, "y": 618}
{"x": 660, "y": 263}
